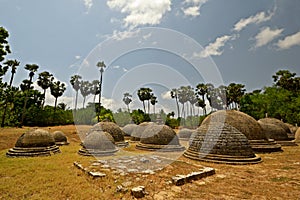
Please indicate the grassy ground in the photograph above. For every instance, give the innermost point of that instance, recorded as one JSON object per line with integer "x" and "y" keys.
{"x": 55, "y": 177}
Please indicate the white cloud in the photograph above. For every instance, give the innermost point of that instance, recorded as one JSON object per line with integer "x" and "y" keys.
{"x": 266, "y": 35}
{"x": 289, "y": 41}
{"x": 121, "y": 35}
{"x": 77, "y": 57}
{"x": 116, "y": 67}
{"x": 192, "y": 11}
{"x": 141, "y": 12}
{"x": 214, "y": 48}
{"x": 166, "y": 95}
{"x": 88, "y": 4}
{"x": 193, "y": 7}
{"x": 254, "y": 19}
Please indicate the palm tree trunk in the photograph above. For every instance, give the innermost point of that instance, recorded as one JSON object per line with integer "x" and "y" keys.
{"x": 55, "y": 104}
{"x": 148, "y": 106}
{"x": 204, "y": 108}
{"x": 144, "y": 106}
{"x": 11, "y": 79}
{"x": 83, "y": 102}
{"x": 178, "y": 110}
{"x": 76, "y": 100}
{"x": 44, "y": 99}
{"x": 128, "y": 108}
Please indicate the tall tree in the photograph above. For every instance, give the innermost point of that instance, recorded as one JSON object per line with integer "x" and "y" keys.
{"x": 127, "y": 99}
{"x": 57, "y": 89}
{"x": 201, "y": 90}
{"x": 32, "y": 68}
{"x": 45, "y": 80}
{"x": 95, "y": 90}
{"x": 153, "y": 101}
{"x": 85, "y": 90}
{"x": 101, "y": 65}
{"x": 13, "y": 65}
{"x": 144, "y": 94}
{"x": 234, "y": 94}
{"x": 174, "y": 95}
{"x": 287, "y": 80}
{"x": 76, "y": 86}
{"x": 183, "y": 97}
{"x": 4, "y": 46}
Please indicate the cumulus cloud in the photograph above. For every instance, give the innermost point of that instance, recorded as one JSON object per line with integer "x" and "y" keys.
{"x": 254, "y": 19}
{"x": 141, "y": 12}
{"x": 192, "y": 7}
{"x": 289, "y": 41}
{"x": 88, "y": 4}
{"x": 166, "y": 95}
{"x": 214, "y": 48}
{"x": 266, "y": 35}
{"x": 121, "y": 35}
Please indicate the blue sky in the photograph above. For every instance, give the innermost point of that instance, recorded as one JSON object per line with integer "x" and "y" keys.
{"x": 237, "y": 41}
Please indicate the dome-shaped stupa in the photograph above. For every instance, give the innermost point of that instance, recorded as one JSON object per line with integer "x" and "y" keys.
{"x": 277, "y": 130}
{"x": 138, "y": 131}
{"x": 221, "y": 143}
{"x": 113, "y": 129}
{"x": 60, "y": 138}
{"x": 98, "y": 143}
{"x": 36, "y": 142}
{"x": 292, "y": 128}
{"x": 297, "y": 136}
{"x": 248, "y": 126}
{"x": 159, "y": 137}
{"x": 128, "y": 129}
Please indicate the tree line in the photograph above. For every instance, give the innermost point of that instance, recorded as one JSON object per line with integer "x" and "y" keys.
{"x": 22, "y": 104}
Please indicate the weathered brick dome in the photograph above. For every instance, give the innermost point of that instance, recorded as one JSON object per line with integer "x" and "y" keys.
{"x": 248, "y": 126}
{"x": 36, "y": 142}
{"x": 239, "y": 120}
{"x": 128, "y": 129}
{"x": 276, "y": 122}
{"x": 277, "y": 130}
{"x": 98, "y": 143}
{"x": 60, "y": 138}
{"x": 159, "y": 137}
{"x": 221, "y": 143}
{"x": 297, "y": 136}
{"x": 185, "y": 133}
{"x": 113, "y": 129}
{"x": 138, "y": 131}
{"x": 273, "y": 131}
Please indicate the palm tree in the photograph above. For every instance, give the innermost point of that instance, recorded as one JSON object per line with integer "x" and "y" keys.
{"x": 201, "y": 90}
{"x": 13, "y": 64}
{"x": 144, "y": 94}
{"x": 101, "y": 65}
{"x": 32, "y": 68}
{"x": 153, "y": 102}
{"x": 174, "y": 95}
{"x": 44, "y": 81}
{"x": 85, "y": 90}
{"x": 95, "y": 88}
{"x": 234, "y": 94}
{"x": 127, "y": 100}
{"x": 76, "y": 86}
{"x": 183, "y": 98}
{"x": 57, "y": 89}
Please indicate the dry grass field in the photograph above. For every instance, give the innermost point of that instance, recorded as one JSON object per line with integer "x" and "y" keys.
{"x": 55, "y": 177}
